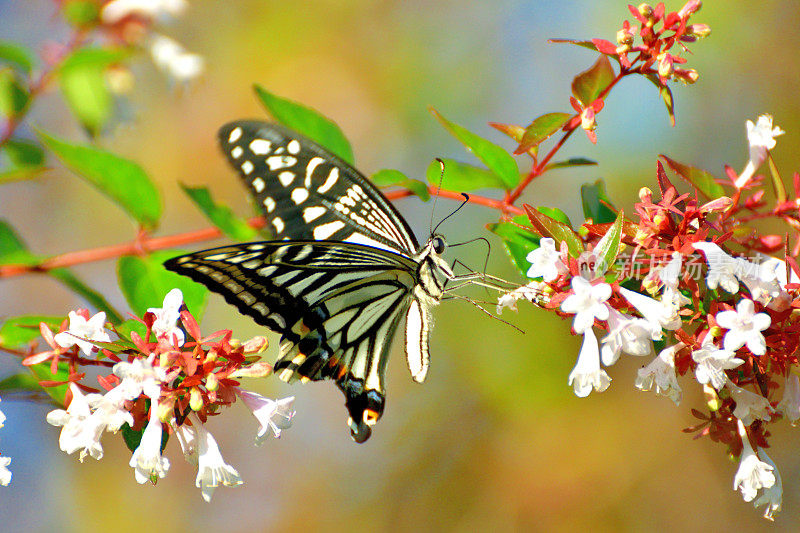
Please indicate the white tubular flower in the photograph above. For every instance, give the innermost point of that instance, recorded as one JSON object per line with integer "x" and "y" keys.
{"x": 749, "y": 406}
{"x": 670, "y": 274}
{"x": 140, "y": 376}
{"x": 744, "y": 327}
{"x": 546, "y": 261}
{"x": 82, "y": 332}
{"x": 790, "y": 403}
{"x": 109, "y": 409}
{"x": 753, "y": 474}
{"x": 187, "y": 438}
{"x": 116, "y": 10}
{"x": 587, "y": 303}
{"x": 722, "y": 267}
{"x": 772, "y": 496}
{"x": 587, "y": 374}
{"x": 661, "y": 373}
{"x": 713, "y": 362}
{"x": 761, "y": 138}
{"x": 5, "y": 473}
{"x": 172, "y": 58}
{"x": 2, "y": 419}
{"x": 533, "y": 292}
{"x": 81, "y": 430}
{"x": 633, "y": 336}
{"x": 167, "y": 316}
{"x": 147, "y": 462}
{"x": 272, "y": 415}
{"x": 212, "y": 469}
{"x": 660, "y": 314}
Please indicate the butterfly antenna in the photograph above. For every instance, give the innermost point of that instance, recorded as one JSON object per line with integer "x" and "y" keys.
{"x": 464, "y": 298}
{"x": 436, "y": 196}
{"x": 465, "y": 202}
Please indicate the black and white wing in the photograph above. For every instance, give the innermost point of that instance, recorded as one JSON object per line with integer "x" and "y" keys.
{"x": 307, "y": 193}
{"x": 335, "y": 305}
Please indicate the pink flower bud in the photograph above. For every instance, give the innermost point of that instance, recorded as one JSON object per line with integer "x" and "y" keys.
{"x": 666, "y": 65}
{"x": 588, "y": 121}
{"x": 698, "y": 30}
{"x": 692, "y": 6}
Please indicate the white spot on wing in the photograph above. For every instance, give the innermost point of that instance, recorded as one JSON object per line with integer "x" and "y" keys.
{"x": 326, "y": 230}
{"x": 277, "y": 162}
{"x": 313, "y": 213}
{"x": 299, "y": 195}
{"x": 247, "y": 167}
{"x": 359, "y": 238}
{"x": 293, "y": 147}
{"x": 260, "y": 146}
{"x": 332, "y": 178}
{"x": 286, "y": 178}
{"x": 312, "y": 164}
{"x": 269, "y": 203}
{"x": 258, "y": 184}
{"x": 235, "y": 134}
{"x": 237, "y": 152}
{"x": 278, "y": 223}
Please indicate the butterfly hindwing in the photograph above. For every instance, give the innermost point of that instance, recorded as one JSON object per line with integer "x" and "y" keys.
{"x": 305, "y": 192}
{"x": 335, "y": 305}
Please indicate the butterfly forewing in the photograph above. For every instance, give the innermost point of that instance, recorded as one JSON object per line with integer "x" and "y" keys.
{"x": 305, "y": 192}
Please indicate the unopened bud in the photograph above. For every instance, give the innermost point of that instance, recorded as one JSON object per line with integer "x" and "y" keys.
{"x": 256, "y": 370}
{"x": 645, "y": 10}
{"x": 588, "y": 121}
{"x": 712, "y": 398}
{"x": 211, "y": 355}
{"x": 715, "y": 332}
{"x": 692, "y": 6}
{"x": 645, "y": 194}
{"x": 212, "y": 382}
{"x": 698, "y": 30}
{"x": 624, "y": 37}
{"x": 195, "y": 399}
{"x": 687, "y": 76}
{"x": 166, "y": 410}
{"x": 255, "y": 345}
{"x": 666, "y": 67}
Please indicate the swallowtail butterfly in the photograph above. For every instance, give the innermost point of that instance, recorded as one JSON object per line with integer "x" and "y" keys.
{"x": 345, "y": 273}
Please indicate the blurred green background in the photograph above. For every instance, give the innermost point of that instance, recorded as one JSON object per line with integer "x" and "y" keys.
{"x": 495, "y": 439}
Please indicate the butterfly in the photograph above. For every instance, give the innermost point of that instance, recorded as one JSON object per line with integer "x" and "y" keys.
{"x": 344, "y": 272}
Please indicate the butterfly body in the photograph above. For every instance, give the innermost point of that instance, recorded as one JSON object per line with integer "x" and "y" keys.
{"x": 346, "y": 273}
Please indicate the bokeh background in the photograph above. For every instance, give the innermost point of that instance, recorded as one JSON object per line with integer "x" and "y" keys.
{"x": 495, "y": 439}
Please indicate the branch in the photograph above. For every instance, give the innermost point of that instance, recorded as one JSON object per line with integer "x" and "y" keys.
{"x": 144, "y": 243}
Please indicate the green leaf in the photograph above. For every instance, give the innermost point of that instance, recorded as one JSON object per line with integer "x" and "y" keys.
{"x": 20, "y": 174}
{"x": 389, "y": 177}
{"x": 541, "y": 129}
{"x": 120, "y": 179}
{"x": 512, "y": 130}
{"x": 144, "y": 282}
{"x": 24, "y": 152}
{"x": 582, "y": 43}
{"x": 777, "y": 182}
{"x": 19, "y": 331}
{"x": 83, "y": 83}
{"x": 307, "y": 121}
{"x": 699, "y": 179}
{"x": 13, "y": 96}
{"x": 571, "y": 162}
{"x": 555, "y": 229}
{"x": 596, "y": 203}
{"x": 462, "y": 177}
{"x": 94, "y": 298}
{"x": 608, "y": 246}
{"x": 517, "y": 241}
{"x": 42, "y": 373}
{"x": 220, "y": 215}
{"x": 17, "y": 56}
{"x": 14, "y": 251}
{"x": 19, "y": 383}
{"x": 493, "y": 156}
{"x": 124, "y": 330}
{"x": 133, "y": 437}
{"x": 555, "y": 213}
{"x": 590, "y": 83}
{"x": 81, "y": 13}
{"x": 666, "y": 96}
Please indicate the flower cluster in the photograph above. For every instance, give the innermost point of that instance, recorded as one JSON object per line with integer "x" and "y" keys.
{"x": 733, "y": 330}
{"x": 170, "y": 379}
{"x": 131, "y": 21}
